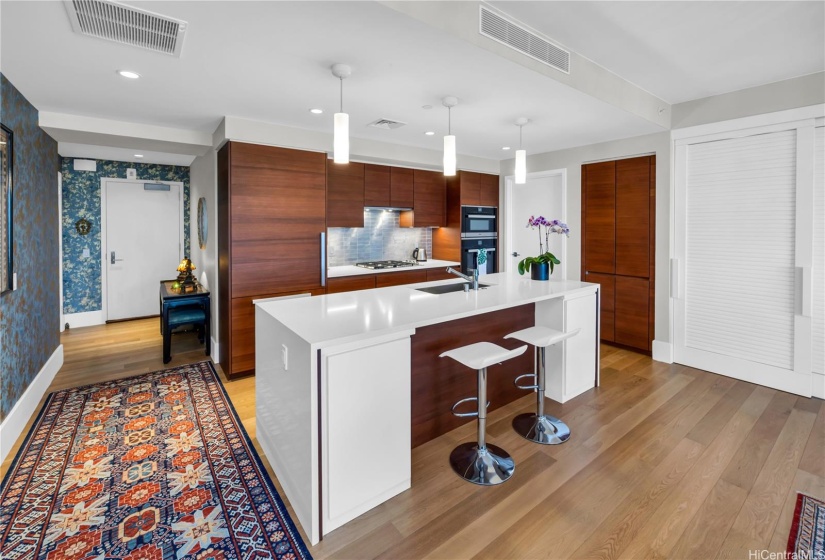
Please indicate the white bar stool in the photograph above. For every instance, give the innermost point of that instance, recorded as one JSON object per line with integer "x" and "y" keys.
{"x": 540, "y": 427}
{"x": 477, "y": 461}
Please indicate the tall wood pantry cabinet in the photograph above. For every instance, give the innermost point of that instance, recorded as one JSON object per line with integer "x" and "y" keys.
{"x": 271, "y": 214}
{"x": 618, "y": 246}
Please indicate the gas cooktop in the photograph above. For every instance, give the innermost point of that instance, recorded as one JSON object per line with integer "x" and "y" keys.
{"x": 384, "y": 264}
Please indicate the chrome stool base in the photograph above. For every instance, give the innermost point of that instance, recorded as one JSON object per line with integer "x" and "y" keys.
{"x": 545, "y": 429}
{"x": 486, "y": 467}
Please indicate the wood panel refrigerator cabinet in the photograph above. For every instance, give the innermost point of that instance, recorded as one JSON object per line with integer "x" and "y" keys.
{"x": 618, "y": 217}
{"x": 271, "y": 217}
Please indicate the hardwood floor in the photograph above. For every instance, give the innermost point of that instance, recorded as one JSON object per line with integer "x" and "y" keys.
{"x": 664, "y": 461}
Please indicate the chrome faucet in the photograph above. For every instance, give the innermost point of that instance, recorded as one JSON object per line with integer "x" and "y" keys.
{"x": 467, "y": 277}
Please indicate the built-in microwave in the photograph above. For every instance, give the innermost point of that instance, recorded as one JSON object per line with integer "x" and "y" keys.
{"x": 478, "y": 221}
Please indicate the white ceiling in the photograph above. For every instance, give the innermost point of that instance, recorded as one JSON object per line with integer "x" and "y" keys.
{"x": 269, "y": 61}
{"x": 681, "y": 51}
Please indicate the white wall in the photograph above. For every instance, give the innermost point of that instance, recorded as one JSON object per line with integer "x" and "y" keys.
{"x": 203, "y": 175}
{"x": 572, "y": 160}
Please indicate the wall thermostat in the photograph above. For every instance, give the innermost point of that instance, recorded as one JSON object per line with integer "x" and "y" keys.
{"x": 131, "y": 173}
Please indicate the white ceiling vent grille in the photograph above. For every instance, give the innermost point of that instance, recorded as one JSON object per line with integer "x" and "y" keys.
{"x": 127, "y": 25}
{"x": 514, "y": 36}
{"x": 387, "y": 124}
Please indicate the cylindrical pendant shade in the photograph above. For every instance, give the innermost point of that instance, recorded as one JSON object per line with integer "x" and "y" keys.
{"x": 340, "y": 138}
{"x": 449, "y": 156}
{"x": 521, "y": 167}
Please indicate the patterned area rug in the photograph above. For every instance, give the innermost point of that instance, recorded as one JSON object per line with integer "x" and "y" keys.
{"x": 807, "y": 538}
{"x": 152, "y": 467}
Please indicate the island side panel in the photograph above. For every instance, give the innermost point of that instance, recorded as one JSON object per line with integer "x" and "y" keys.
{"x": 286, "y": 408}
{"x": 366, "y": 455}
{"x": 572, "y": 366}
{"x": 437, "y": 383}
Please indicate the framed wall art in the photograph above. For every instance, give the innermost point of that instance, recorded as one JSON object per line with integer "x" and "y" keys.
{"x": 6, "y": 211}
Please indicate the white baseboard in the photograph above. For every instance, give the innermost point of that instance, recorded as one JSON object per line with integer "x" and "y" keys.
{"x": 663, "y": 351}
{"x": 85, "y": 319}
{"x": 214, "y": 351}
{"x": 16, "y": 420}
{"x": 818, "y": 385}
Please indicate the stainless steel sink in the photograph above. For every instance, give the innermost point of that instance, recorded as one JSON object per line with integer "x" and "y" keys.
{"x": 449, "y": 288}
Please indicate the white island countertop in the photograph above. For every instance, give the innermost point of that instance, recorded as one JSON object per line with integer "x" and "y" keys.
{"x": 352, "y": 270}
{"x": 340, "y": 318}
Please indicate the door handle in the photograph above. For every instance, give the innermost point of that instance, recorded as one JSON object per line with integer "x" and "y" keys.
{"x": 323, "y": 259}
{"x": 114, "y": 260}
{"x": 516, "y": 254}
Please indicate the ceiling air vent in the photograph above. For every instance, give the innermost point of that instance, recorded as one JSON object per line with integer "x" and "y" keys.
{"x": 127, "y": 25}
{"x": 514, "y": 36}
{"x": 387, "y": 124}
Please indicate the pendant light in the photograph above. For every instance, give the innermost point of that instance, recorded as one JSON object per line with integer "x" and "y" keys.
{"x": 449, "y": 141}
{"x": 340, "y": 131}
{"x": 521, "y": 154}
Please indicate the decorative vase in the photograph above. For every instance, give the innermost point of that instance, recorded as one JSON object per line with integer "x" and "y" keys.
{"x": 540, "y": 271}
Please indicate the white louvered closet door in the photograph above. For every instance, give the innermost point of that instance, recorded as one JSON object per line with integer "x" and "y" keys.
{"x": 818, "y": 284}
{"x": 736, "y": 311}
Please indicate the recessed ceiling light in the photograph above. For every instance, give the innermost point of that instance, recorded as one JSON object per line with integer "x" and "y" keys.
{"x": 129, "y": 74}
{"x": 505, "y": 148}
{"x": 429, "y": 133}
{"x": 138, "y": 155}
{"x": 316, "y": 111}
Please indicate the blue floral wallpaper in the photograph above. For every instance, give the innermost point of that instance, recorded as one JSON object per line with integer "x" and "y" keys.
{"x": 29, "y": 315}
{"x": 81, "y": 199}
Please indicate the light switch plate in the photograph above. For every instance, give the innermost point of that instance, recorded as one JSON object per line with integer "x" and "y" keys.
{"x": 131, "y": 173}
{"x": 86, "y": 253}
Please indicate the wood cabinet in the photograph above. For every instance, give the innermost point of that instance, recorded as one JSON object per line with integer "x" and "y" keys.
{"x": 429, "y": 200}
{"x": 350, "y": 283}
{"x": 439, "y": 274}
{"x": 345, "y": 194}
{"x": 400, "y": 278}
{"x": 382, "y": 280}
{"x": 476, "y": 189}
{"x": 271, "y": 213}
{"x": 386, "y": 186}
{"x": 466, "y": 188}
{"x": 376, "y": 185}
{"x": 618, "y": 246}
{"x": 401, "y": 187}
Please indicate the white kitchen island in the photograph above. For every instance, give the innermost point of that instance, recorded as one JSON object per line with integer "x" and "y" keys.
{"x": 346, "y": 384}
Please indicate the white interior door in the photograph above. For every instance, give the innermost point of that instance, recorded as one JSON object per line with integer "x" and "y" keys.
{"x": 143, "y": 245}
{"x": 742, "y": 242}
{"x": 542, "y": 195}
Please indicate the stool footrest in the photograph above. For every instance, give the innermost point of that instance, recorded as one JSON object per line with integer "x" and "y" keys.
{"x": 526, "y": 387}
{"x": 465, "y": 414}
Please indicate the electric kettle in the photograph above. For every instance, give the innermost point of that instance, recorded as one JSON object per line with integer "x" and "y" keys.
{"x": 420, "y": 254}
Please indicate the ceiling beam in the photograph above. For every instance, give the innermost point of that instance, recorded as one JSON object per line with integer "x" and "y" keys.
{"x": 461, "y": 19}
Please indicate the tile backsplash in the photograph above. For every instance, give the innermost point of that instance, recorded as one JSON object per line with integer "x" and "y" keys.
{"x": 381, "y": 238}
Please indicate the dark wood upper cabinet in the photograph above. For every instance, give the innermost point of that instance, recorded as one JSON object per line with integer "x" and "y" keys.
{"x": 633, "y": 217}
{"x": 477, "y": 189}
{"x": 470, "y": 188}
{"x": 376, "y": 185}
{"x": 488, "y": 190}
{"x": 429, "y": 204}
{"x": 401, "y": 187}
{"x": 345, "y": 194}
{"x": 599, "y": 208}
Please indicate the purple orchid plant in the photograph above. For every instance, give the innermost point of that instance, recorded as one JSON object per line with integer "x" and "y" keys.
{"x": 545, "y": 256}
